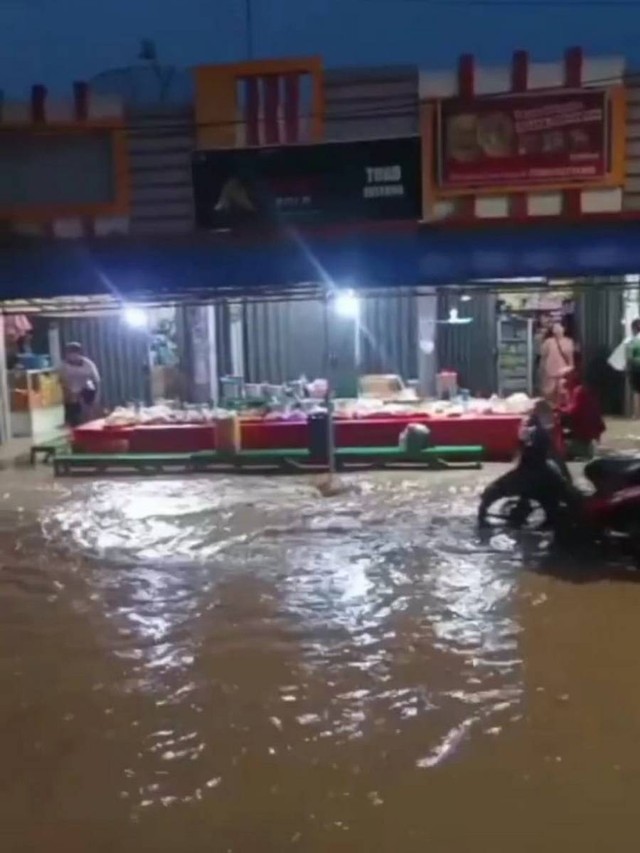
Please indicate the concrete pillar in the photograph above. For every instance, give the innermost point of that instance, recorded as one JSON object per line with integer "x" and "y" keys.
{"x": 204, "y": 364}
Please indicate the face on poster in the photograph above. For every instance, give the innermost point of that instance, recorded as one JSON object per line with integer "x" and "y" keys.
{"x": 524, "y": 140}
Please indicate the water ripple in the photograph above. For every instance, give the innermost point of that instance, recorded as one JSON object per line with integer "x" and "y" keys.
{"x": 298, "y": 621}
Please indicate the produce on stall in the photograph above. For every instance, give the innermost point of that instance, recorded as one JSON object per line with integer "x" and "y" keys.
{"x": 280, "y": 420}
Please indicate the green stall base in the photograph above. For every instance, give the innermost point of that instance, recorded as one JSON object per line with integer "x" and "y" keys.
{"x": 291, "y": 459}
{"x": 48, "y": 450}
{"x": 104, "y": 463}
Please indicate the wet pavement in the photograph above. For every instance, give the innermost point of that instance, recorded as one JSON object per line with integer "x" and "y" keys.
{"x": 245, "y": 665}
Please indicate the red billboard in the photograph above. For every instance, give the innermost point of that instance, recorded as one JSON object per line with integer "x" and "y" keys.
{"x": 521, "y": 141}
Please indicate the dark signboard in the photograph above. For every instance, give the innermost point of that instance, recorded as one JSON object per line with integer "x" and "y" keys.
{"x": 46, "y": 170}
{"x": 308, "y": 184}
{"x": 524, "y": 140}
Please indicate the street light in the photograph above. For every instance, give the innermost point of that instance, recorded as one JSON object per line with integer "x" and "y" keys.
{"x": 347, "y": 305}
{"x": 135, "y": 317}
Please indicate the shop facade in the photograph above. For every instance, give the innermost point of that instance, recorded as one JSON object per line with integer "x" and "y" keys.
{"x": 368, "y": 194}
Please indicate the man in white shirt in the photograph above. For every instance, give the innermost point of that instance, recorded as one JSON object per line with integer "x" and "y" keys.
{"x": 80, "y": 384}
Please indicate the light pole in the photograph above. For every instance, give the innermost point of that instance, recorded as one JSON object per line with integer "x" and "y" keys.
{"x": 331, "y": 445}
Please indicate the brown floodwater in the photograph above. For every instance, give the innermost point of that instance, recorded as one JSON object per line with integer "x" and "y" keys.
{"x": 244, "y": 665}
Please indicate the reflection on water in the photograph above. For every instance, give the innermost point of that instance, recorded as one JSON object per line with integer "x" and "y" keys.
{"x": 246, "y": 665}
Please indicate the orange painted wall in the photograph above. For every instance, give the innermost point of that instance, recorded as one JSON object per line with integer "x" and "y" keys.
{"x": 217, "y": 107}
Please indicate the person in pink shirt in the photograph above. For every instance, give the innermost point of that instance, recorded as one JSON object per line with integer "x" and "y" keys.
{"x": 557, "y": 361}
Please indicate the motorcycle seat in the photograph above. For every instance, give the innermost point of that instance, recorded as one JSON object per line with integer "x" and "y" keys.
{"x": 613, "y": 469}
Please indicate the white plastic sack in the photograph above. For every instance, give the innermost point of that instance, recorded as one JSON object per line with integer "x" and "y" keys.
{"x": 618, "y": 358}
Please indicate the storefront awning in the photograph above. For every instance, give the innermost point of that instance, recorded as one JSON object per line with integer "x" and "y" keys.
{"x": 199, "y": 267}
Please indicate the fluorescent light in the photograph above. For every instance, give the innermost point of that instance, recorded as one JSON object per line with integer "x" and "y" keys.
{"x": 536, "y": 279}
{"x": 135, "y": 317}
{"x": 347, "y": 304}
{"x": 455, "y": 319}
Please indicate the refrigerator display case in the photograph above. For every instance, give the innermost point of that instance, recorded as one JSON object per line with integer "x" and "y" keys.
{"x": 515, "y": 355}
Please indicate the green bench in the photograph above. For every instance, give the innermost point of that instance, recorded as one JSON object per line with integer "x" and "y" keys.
{"x": 463, "y": 453}
{"x": 432, "y": 458}
{"x": 287, "y": 458}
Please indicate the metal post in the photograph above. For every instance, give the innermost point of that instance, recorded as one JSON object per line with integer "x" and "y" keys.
{"x": 214, "y": 379}
{"x": 357, "y": 343}
{"x": 5, "y": 397}
{"x": 236, "y": 338}
{"x": 427, "y": 305}
{"x": 55, "y": 345}
{"x": 331, "y": 449}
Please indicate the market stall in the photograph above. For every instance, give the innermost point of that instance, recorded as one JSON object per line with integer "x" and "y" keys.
{"x": 365, "y": 422}
{"x": 497, "y": 434}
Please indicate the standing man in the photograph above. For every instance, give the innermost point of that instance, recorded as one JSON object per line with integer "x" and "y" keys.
{"x": 80, "y": 384}
{"x": 633, "y": 366}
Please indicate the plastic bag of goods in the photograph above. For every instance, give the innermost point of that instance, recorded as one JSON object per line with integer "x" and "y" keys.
{"x": 618, "y": 358}
{"x": 317, "y": 389}
{"x": 518, "y": 404}
{"x": 120, "y": 417}
{"x": 415, "y": 438}
{"x": 382, "y": 386}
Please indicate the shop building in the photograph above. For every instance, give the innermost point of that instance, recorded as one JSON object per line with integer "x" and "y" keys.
{"x": 129, "y": 229}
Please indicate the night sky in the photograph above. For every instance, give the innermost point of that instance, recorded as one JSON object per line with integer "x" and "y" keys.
{"x": 57, "y": 41}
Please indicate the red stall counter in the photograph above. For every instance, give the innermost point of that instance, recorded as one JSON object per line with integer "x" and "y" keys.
{"x": 173, "y": 438}
{"x": 96, "y": 437}
{"x": 498, "y": 434}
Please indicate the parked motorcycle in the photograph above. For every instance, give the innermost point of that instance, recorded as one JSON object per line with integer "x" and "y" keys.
{"x": 611, "y": 514}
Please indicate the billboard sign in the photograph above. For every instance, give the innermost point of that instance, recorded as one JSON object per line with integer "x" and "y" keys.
{"x": 523, "y": 141}
{"x": 308, "y": 184}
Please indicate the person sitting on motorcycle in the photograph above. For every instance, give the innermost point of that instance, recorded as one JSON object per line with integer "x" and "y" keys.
{"x": 582, "y": 416}
{"x": 540, "y": 474}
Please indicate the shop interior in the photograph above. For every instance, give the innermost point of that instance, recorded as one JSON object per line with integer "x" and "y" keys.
{"x": 463, "y": 361}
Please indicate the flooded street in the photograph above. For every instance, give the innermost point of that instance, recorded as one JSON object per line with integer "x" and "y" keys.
{"x": 241, "y": 664}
